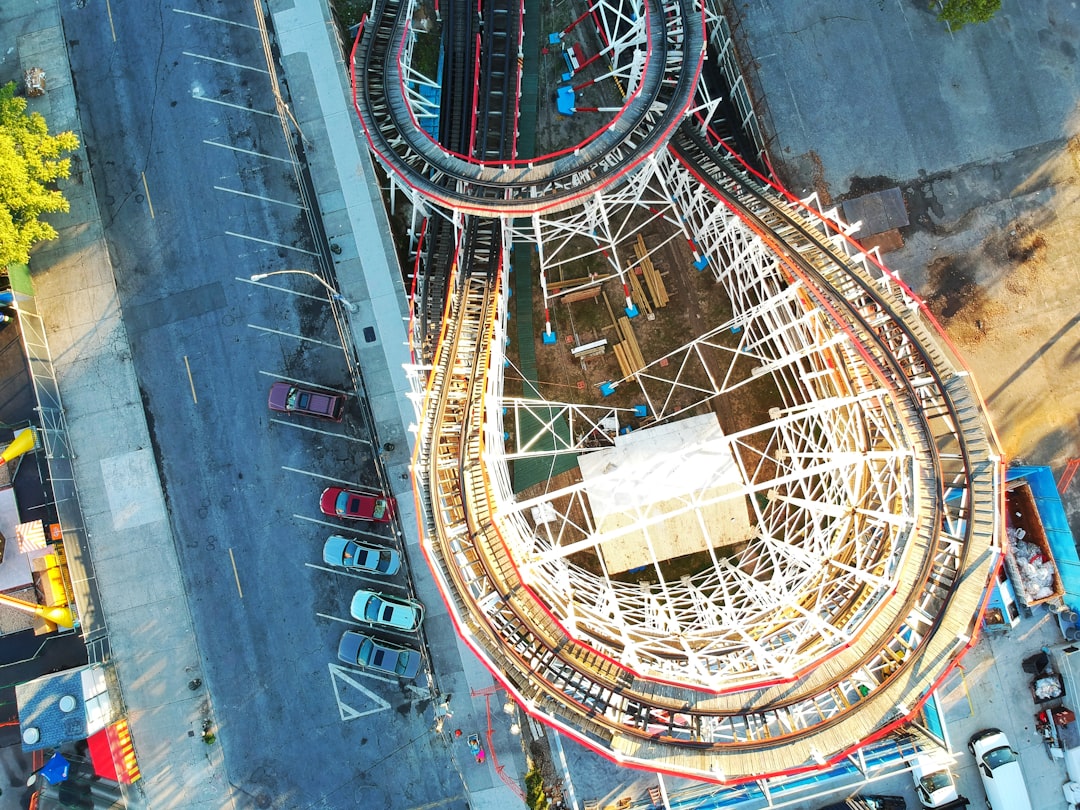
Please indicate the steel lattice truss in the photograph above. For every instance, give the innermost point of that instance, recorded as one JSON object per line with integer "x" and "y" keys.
{"x": 845, "y": 534}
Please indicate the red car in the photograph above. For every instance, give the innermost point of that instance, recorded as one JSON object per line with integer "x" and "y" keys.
{"x": 288, "y": 398}
{"x": 351, "y": 505}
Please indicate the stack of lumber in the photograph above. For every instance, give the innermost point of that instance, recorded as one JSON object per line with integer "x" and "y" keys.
{"x": 627, "y": 350}
{"x": 584, "y": 294}
{"x": 636, "y": 291}
{"x": 653, "y": 280}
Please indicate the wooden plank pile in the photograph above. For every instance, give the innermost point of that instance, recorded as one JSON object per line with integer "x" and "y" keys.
{"x": 627, "y": 350}
{"x": 653, "y": 279}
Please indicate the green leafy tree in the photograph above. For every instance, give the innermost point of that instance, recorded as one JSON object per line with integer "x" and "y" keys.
{"x": 534, "y": 790}
{"x": 30, "y": 164}
{"x": 958, "y": 13}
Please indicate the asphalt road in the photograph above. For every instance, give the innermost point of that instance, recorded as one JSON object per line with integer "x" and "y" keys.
{"x": 197, "y": 193}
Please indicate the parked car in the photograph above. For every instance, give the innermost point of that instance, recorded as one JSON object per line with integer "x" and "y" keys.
{"x": 934, "y": 783}
{"x": 999, "y": 768}
{"x": 353, "y": 505}
{"x": 371, "y": 653}
{"x": 342, "y": 551}
{"x": 288, "y": 398}
{"x": 388, "y": 611}
{"x": 868, "y": 802}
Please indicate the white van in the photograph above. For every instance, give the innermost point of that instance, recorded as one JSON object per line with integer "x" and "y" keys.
{"x": 934, "y": 783}
{"x": 999, "y": 767}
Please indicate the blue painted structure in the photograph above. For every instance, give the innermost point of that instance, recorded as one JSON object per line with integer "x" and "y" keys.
{"x": 1056, "y": 525}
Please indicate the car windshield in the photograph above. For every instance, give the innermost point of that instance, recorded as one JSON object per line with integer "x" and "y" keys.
{"x": 342, "y": 500}
{"x": 999, "y": 756}
{"x": 402, "y": 663}
{"x": 372, "y": 610}
{"x": 934, "y": 782}
{"x": 290, "y": 398}
{"x": 380, "y": 508}
{"x": 384, "y": 561}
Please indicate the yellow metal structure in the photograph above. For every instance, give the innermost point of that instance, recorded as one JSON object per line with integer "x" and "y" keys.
{"x": 58, "y": 615}
{"x": 23, "y": 443}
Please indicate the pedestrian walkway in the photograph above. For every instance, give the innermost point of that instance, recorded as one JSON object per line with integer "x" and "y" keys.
{"x": 142, "y": 614}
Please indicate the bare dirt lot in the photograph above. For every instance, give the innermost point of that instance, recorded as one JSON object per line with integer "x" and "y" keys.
{"x": 979, "y": 130}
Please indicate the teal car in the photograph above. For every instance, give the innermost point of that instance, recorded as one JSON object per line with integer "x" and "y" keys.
{"x": 386, "y": 610}
{"x": 360, "y": 556}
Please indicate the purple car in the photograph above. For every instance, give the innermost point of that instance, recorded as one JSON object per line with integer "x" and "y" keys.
{"x": 288, "y": 398}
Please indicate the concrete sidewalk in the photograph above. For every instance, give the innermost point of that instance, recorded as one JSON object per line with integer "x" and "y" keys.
{"x": 142, "y": 624}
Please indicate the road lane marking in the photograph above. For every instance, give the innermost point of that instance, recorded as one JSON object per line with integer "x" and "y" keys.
{"x": 146, "y": 188}
{"x": 216, "y": 19}
{"x": 191, "y": 380}
{"x": 200, "y": 97}
{"x": 247, "y": 151}
{"x": 225, "y": 62}
{"x": 258, "y": 197}
{"x": 290, "y": 334}
{"x": 271, "y": 244}
{"x": 236, "y": 573}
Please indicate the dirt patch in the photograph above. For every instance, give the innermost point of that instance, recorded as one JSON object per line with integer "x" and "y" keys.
{"x": 817, "y": 177}
{"x": 975, "y": 294}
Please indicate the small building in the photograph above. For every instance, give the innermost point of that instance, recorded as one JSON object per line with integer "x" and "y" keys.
{"x": 66, "y": 706}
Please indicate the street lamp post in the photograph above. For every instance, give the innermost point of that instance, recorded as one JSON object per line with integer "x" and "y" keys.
{"x": 334, "y": 294}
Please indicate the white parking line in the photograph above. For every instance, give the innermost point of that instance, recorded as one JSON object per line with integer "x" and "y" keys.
{"x": 277, "y": 376}
{"x": 258, "y": 197}
{"x": 234, "y": 106}
{"x": 216, "y": 19}
{"x": 291, "y": 335}
{"x": 300, "y": 426}
{"x": 320, "y": 297}
{"x": 268, "y": 242}
{"x": 225, "y": 62}
{"x": 247, "y": 151}
{"x": 318, "y": 475}
{"x": 363, "y": 626}
{"x": 370, "y": 675}
{"x": 339, "y": 674}
{"x": 336, "y": 619}
{"x": 339, "y": 527}
{"x": 382, "y": 582}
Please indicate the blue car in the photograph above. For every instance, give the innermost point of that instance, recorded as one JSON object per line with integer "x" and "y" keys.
{"x": 346, "y": 553}
{"x": 370, "y": 653}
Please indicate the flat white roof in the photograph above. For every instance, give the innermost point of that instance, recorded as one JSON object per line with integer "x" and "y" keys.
{"x": 664, "y": 492}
